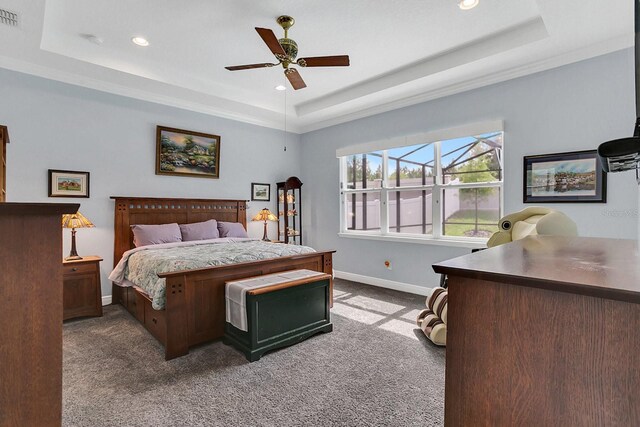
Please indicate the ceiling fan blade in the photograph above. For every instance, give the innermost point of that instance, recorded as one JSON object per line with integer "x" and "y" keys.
{"x": 325, "y": 61}
{"x": 250, "y": 66}
{"x": 272, "y": 42}
{"x": 294, "y": 78}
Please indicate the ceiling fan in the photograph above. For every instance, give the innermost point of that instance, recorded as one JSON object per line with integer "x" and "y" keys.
{"x": 286, "y": 51}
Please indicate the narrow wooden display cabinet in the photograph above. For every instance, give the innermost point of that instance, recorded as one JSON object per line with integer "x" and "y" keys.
{"x": 290, "y": 211}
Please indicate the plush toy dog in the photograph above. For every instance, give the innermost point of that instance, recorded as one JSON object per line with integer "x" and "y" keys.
{"x": 433, "y": 319}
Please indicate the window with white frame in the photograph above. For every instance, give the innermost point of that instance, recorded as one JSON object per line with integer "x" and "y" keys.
{"x": 449, "y": 188}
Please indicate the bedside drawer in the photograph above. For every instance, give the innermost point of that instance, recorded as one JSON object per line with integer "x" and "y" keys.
{"x": 82, "y": 268}
{"x": 135, "y": 304}
{"x": 81, "y": 290}
{"x": 154, "y": 321}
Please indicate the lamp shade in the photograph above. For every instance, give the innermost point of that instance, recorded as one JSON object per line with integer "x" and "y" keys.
{"x": 264, "y": 215}
{"x": 76, "y": 220}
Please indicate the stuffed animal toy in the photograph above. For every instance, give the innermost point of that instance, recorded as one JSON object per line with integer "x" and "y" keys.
{"x": 433, "y": 319}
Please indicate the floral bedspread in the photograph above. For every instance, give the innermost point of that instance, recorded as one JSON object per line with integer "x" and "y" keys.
{"x": 142, "y": 267}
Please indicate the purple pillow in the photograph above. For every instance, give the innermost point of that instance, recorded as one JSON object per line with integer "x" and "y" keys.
{"x": 231, "y": 229}
{"x": 148, "y": 234}
{"x": 200, "y": 231}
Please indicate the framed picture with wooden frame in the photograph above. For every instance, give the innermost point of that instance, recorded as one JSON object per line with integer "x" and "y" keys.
{"x": 68, "y": 183}
{"x": 260, "y": 192}
{"x": 182, "y": 152}
{"x": 575, "y": 177}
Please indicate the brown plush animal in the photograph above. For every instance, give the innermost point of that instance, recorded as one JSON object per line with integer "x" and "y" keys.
{"x": 433, "y": 319}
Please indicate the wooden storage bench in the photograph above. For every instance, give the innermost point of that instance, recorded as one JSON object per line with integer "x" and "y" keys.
{"x": 282, "y": 309}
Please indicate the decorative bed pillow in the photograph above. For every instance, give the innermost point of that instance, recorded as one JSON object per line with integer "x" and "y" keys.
{"x": 200, "y": 231}
{"x": 231, "y": 229}
{"x": 148, "y": 234}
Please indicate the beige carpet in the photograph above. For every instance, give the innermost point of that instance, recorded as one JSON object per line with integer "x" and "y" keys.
{"x": 375, "y": 369}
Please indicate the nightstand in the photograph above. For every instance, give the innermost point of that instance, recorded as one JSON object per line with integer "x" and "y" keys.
{"x": 81, "y": 287}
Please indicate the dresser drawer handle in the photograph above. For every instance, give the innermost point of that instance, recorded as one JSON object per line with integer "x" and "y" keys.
{"x": 74, "y": 269}
{"x": 154, "y": 320}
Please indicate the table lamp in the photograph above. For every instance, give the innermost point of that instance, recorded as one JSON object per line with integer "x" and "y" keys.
{"x": 73, "y": 221}
{"x": 265, "y": 215}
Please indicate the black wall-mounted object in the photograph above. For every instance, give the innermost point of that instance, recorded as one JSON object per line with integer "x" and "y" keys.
{"x": 624, "y": 154}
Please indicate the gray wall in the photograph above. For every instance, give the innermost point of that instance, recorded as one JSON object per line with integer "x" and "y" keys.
{"x": 575, "y": 107}
{"x": 58, "y": 126}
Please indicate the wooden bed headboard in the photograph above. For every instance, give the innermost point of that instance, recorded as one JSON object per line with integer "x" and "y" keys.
{"x": 148, "y": 210}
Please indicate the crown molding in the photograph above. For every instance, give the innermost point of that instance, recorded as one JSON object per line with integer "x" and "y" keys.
{"x": 265, "y": 118}
{"x": 274, "y": 120}
{"x": 599, "y": 49}
{"x": 502, "y": 41}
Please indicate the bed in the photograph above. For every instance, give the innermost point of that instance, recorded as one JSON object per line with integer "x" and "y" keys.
{"x": 194, "y": 311}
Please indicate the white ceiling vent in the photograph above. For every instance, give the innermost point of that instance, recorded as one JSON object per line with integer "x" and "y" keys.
{"x": 8, "y": 18}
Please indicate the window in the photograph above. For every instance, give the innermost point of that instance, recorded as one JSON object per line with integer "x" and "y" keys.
{"x": 444, "y": 189}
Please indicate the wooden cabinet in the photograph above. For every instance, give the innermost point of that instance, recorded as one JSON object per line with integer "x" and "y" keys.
{"x": 544, "y": 331}
{"x": 82, "y": 290}
{"x": 290, "y": 211}
{"x": 4, "y": 140}
{"x": 31, "y": 313}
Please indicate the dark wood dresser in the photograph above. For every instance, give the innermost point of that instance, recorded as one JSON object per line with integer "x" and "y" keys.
{"x": 31, "y": 313}
{"x": 544, "y": 331}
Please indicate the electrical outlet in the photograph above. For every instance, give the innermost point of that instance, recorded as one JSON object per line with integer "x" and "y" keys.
{"x": 388, "y": 265}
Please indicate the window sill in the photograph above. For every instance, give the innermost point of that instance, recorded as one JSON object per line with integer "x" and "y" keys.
{"x": 470, "y": 244}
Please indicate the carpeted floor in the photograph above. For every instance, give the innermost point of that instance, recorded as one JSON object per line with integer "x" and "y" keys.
{"x": 375, "y": 369}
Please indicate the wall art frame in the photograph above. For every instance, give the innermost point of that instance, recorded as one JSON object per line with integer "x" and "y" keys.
{"x": 182, "y": 152}
{"x": 260, "y": 192}
{"x": 64, "y": 183}
{"x": 572, "y": 177}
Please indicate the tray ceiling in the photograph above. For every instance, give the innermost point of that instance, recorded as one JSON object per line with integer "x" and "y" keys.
{"x": 402, "y": 52}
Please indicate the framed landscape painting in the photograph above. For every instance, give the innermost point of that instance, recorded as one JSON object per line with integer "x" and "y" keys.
{"x": 260, "y": 192}
{"x": 186, "y": 153}
{"x": 565, "y": 177}
{"x": 68, "y": 183}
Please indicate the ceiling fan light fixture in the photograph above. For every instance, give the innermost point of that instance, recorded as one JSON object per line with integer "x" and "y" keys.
{"x": 140, "y": 41}
{"x": 286, "y": 51}
{"x": 468, "y": 4}
{"x": 280, "y": 87}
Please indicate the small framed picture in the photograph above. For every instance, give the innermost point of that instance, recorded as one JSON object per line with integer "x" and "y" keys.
{"x": 575, "y": 177}
{"x": 260, "y": 192}
{"x": 68, "y": 183}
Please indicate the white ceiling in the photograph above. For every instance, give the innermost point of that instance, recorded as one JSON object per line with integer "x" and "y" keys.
{"x": 402, "y": 52}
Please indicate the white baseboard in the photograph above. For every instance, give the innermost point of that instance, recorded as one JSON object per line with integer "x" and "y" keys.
{"x": 382, "y": 283}
{"x": 107, "y": 300}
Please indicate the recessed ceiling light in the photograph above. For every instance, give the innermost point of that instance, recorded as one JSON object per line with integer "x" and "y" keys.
{"x": 140, "y": 41}
{"x": 280, "y": 87}
{"x": 468, "y": 4}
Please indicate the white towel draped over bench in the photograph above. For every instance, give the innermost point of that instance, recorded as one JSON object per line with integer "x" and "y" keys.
{"x": 235, "y": 292}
